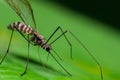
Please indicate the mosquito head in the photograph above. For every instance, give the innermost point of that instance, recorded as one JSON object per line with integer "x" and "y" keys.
{"x": 47, "y": 47}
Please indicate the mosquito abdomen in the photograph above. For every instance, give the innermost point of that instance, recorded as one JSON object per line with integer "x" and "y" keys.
{"x": 21, "y": 27}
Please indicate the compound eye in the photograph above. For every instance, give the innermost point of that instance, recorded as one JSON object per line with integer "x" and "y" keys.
{"x": 47, "y": 48}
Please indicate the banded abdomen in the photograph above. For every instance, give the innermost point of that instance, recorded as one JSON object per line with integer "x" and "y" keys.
{"x": 36, "y": 38}
{"x": 21, "y": 27}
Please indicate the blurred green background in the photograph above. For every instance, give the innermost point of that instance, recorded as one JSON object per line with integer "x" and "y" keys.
{"x": 103, "y": 10}
{"x": 98, "y": 37}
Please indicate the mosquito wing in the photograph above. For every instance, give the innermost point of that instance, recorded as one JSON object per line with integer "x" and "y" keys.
{"x": 24, "y": 10}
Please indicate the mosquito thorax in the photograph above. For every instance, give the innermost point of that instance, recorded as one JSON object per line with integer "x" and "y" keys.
{"x": 39, "y": 40}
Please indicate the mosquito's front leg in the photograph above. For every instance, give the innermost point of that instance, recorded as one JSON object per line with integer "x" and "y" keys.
{"x": 63, "y": 34}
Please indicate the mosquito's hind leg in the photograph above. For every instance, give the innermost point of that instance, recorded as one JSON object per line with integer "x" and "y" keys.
{"x": 7, "y": 48}
{"x": 27, "y": 57}
{"x": 100, "y": 68}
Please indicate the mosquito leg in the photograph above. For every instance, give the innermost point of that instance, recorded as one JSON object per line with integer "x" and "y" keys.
{"x": 54, "y": 51}
{"x": 59, "y": 28}
{"x": 57, "y": 54}
{"x": 27, "y": 58}
{"x": 67, "y": 42}
{"x": 100, "y": 68}
{"x": 7, "y": 48}
{"x": 39, "y": 56}
{"x": 47, "y": 58}
{"x": 56, "y": 40}
{"x": 52, "y": 35}
{"x": 60, "y": 64}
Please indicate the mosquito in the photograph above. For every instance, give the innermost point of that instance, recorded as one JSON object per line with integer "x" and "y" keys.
{"x": 25, "y": 12}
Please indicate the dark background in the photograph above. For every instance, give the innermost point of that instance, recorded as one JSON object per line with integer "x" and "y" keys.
{"x": 105, "y": 11}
